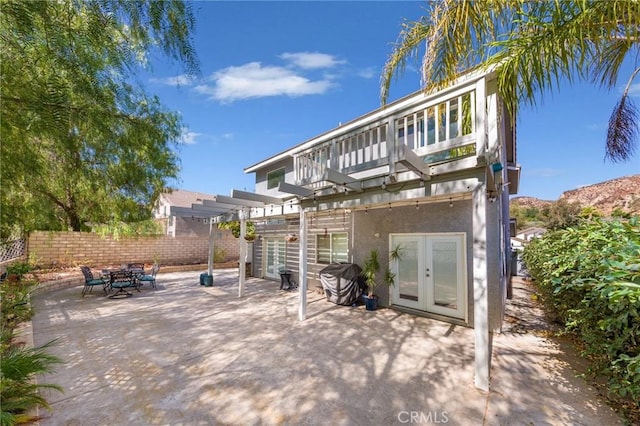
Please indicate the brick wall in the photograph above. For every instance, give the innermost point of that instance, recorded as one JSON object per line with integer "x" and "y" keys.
{"x": 74, "y": 248}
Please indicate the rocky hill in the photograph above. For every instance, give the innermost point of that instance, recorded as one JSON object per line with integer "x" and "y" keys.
{"x": 622, "y": 193}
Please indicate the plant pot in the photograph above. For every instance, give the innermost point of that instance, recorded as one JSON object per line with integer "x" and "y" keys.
{"x": 208, "y": 280}
{"x": 370, "y": 302}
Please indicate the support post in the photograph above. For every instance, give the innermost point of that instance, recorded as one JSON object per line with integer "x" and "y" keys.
{"x": 302, "y": 262}
{"x": 211, "y": 248}
{"x": 482, "y": 348}
{"x": 243, "y": 252}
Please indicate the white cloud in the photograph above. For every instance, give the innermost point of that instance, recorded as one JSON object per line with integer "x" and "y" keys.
{"x": 188, "y": 137}
{"x": 178, "y": 80}
{"x": 253, "y": 80}
{"x": 311, "y": 60}
{"x": 368, "y": 72}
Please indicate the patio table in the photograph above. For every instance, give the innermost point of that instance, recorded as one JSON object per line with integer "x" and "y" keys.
{"x": 121, "y": 279}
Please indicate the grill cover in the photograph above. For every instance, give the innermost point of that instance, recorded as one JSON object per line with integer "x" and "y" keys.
{"x": 342, "y": 283}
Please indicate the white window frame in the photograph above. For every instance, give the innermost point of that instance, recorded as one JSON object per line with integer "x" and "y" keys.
{"x": 284, "y": 174}
{"x": 332, "y": 255}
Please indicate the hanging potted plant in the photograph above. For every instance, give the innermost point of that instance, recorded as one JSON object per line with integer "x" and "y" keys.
{"x": 291, "y": 238}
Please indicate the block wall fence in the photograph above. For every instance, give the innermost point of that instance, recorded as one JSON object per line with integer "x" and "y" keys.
{"x": 48, "y": 249}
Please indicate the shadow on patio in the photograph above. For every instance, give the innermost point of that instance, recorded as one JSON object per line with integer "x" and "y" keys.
{"x": 186, "y": 354}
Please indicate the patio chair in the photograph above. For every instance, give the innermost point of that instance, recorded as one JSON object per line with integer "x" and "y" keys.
{"x": 90, "y": 281}
{"x": 150, "y": 278}
{"x": 136, "y": 268}
{"x": 122, "y": 280}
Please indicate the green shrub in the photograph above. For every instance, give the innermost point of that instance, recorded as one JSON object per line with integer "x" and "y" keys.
{"x": 19, "y": 365}
{"x": 588, "y": 277}
{"x": 219, "y": 255}
{"x": 14, "y": 303}
{"x": 18, "y": 268}
{"x": 19, "y": 393}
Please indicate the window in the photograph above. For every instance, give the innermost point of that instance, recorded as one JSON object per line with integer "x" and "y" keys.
{"x": 274, "y": 178}
{"x": 332, "y": 248}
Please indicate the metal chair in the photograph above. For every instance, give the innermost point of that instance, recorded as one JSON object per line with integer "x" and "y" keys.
{"x": 136, "y": 268}
{"x": 151, "y": 278}
{"x": 90, "y": 281}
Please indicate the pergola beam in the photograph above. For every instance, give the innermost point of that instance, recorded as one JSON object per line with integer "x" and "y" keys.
{"x": 294, "y": 189}
{"x": 338, "y": 178}
{"x": 238, "y": 202}
{"x": 413, "y": 162}
{"x": 252, "y": 196}
{"x": 189, "y": 212}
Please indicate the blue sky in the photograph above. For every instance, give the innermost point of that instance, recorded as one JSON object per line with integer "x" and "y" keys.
{"x": 275, "y": 74}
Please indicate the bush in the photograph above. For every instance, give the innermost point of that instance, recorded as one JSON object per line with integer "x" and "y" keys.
{"x": 19, "y": 269}
{"x": 589, "y": 280}
{"x": 19, "y": 365}
{"x": 219, "y": 254}
{"x": 14, "y": 303}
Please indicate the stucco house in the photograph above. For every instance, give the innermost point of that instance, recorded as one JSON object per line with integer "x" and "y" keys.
{"x": 430, "y": 173}
{"x": 178, "y": 225}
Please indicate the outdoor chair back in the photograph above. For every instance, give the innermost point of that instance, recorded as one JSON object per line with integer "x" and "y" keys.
{"x": 150, "y": 278}
{"x": 136, "y": 267}
{"x": 90, "y": 281}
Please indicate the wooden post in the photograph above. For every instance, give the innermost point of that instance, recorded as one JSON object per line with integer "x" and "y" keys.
{"x": 302, "y": 262}
{"x": 211, "y": 248}
{"x": 243, "y": 251}
{"x": 482, "y": 348}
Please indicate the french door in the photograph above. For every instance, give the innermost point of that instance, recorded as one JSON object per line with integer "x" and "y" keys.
{"x": 275, "y": 256}
{"x": 431, "y": 274}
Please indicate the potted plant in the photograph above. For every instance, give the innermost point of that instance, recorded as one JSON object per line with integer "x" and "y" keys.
{"x": 370, "y": 274}
{"x": 291, "y": 238}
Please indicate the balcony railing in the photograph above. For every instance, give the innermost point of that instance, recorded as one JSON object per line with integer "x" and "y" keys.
{"x": 438, "y": 129}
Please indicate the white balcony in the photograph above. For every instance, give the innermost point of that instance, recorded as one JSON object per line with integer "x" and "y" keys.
{"x": 413, "y": 134}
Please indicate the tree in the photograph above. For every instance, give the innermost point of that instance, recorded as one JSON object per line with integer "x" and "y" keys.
{"x": 234, "y": 227}
{"x": 561, "y": 215}
{"x": 532, "y": 45}
{"x": 81, "y": 140}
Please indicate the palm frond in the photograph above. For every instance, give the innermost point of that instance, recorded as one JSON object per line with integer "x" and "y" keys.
{"x": 623, "y": 131}
{"x": 406, "y": 47}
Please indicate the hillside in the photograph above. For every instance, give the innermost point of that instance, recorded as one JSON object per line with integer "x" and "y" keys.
{"x": 622, "y": 193}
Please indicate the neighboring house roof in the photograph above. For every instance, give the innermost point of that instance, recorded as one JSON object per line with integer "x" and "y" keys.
{"x": 529, "y": 233}
{"x": 182, "y": 198}
{"x": 518, "y": 242}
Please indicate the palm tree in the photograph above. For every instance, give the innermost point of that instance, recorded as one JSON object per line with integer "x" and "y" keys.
{"x": 532, "y": 46}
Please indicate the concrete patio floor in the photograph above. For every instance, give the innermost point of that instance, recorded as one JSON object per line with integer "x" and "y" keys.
{"x": 186, "y": 354}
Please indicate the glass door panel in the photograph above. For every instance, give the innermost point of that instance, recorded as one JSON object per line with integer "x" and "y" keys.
{"x": 275, "y": 255}
{"x": 408, "y": 290}
{"x": 445, "y": 276}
